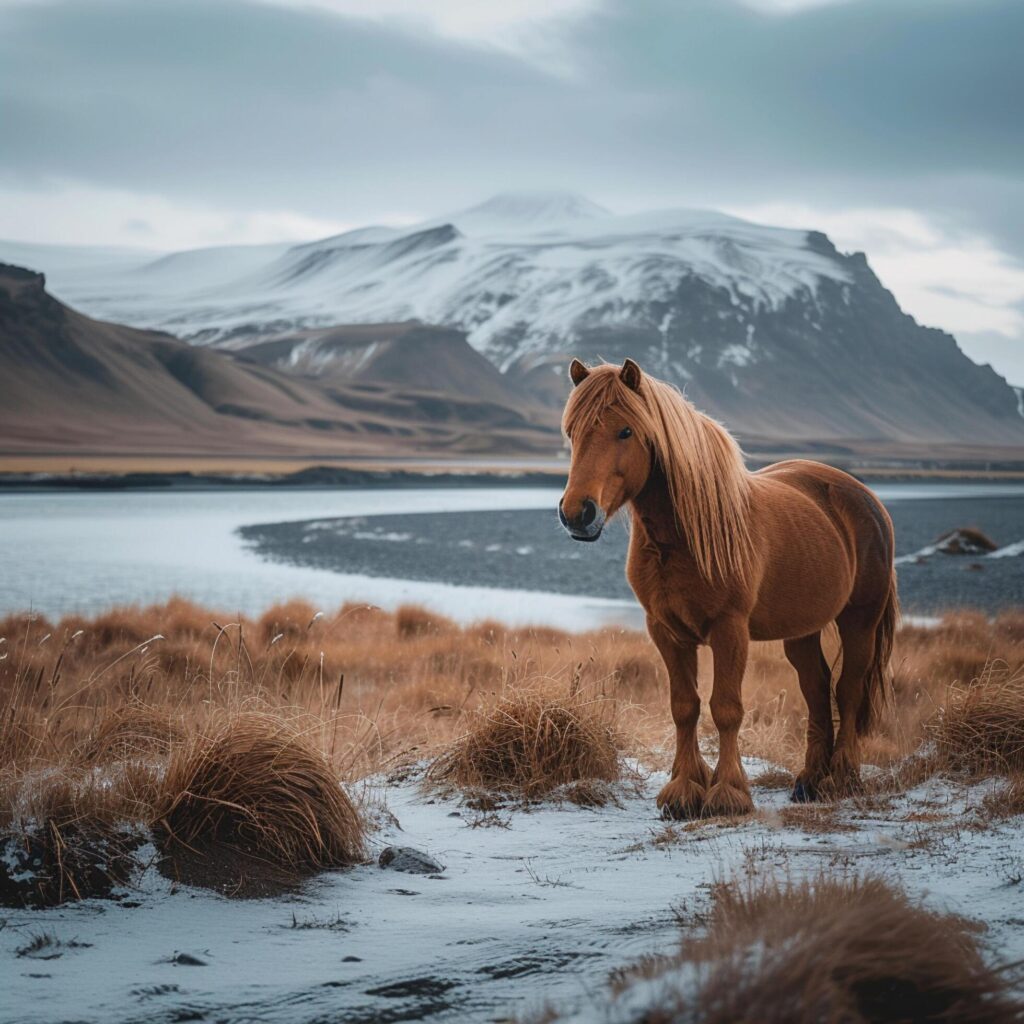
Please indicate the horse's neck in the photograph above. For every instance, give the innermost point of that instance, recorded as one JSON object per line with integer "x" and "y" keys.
{"x": 654, "y": 510}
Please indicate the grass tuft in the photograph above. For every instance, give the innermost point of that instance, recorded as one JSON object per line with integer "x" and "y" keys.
{"x": 70, "y": 833}
{"x": 830, "y": 949}
{"x": 981, "y": 728}
{"x": 253, "y": 789}
{"x": 532, "y": 743}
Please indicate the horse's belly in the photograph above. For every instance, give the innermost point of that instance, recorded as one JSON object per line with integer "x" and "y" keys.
{"x": 801, "y": 591}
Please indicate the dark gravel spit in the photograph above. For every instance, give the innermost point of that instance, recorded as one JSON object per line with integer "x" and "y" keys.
{"x": 530, "y": 551}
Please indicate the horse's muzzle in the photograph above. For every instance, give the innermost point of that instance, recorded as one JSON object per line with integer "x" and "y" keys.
{"x": 587, "y": 526}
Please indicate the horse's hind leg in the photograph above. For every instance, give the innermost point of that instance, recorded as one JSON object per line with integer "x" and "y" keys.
{"x": 805, "y": 655}
{"x": 857, "y": 632}
{"x": 683, "y": 795}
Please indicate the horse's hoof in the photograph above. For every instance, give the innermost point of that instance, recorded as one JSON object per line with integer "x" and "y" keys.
{"x": 680, "y": 812}
{"x": 803, "y": 792}
{"x": 681, "y": 799}
{"x": 727, "y": 801}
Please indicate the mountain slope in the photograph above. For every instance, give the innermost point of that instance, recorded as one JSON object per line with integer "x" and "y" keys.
{"x": 70, "y": 382}
{"x": 772, "y": 330}
{"x": 834, "y": 360}
{"x": 407, "y": 354}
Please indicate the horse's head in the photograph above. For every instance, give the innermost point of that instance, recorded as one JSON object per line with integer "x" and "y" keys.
{"x": 610, "y": 457}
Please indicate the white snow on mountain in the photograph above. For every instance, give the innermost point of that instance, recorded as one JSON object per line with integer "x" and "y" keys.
{"x": 514, "y": 213}
{"x": 534, "y": 267}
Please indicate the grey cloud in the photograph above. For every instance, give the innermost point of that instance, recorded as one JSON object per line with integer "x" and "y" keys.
{"x": 225, "y": 100}
{"x": 702, "y": 101}
{"x": 895, "y": 86}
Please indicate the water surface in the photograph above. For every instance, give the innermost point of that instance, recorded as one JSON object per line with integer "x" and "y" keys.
{"x": 83, "y": 552}
{"x": 74, "y": 551}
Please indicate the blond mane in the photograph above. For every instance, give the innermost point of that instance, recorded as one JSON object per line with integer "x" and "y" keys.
{"x": 708, "y": 483}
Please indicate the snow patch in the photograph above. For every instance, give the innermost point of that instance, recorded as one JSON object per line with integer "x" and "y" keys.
{"x": 737, "y": 355}
{"x": 1009, "y": 551}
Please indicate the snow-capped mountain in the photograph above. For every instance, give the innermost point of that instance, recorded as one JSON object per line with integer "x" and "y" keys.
{"x": 519, "y": 273}
{"x": 769, "y": 328}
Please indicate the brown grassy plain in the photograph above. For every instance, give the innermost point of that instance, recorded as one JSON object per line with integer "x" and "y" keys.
{"x": 151, "y": 700}
{"x": 368, "y": 687}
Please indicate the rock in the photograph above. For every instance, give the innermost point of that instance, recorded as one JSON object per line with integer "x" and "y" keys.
{"x": 186, "y": 960}
{"x": 405, "y": 858}
{"x": 965, "y": 541}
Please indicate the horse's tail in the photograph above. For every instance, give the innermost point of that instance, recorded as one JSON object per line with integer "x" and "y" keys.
{"x": 874, "y": 683}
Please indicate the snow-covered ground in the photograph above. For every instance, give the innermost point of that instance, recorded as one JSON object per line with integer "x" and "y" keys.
{"x": 534, "y": 909}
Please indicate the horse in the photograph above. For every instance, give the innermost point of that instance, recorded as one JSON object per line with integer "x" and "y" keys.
{"x": 721, "y": 556}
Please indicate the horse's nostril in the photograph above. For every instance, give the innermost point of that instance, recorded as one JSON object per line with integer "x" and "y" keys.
{"x": 561, "y": 516}
{"x": 588, "y": 513}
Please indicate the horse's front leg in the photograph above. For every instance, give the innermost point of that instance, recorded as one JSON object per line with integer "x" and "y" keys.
{"x": 683, "y": 795}
{"x": 729, "y": 793}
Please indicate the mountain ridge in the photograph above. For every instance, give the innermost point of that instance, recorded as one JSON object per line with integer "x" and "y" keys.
{"x": 771, "y": 329}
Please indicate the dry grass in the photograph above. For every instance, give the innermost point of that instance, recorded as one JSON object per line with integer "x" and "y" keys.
{"x": 119, "y": 696}
{"x": 980, "y": 730}
{"x": 134, "y": 731}
{"x": 820, "y": 819}
{"x": 533, "y": 742}
{"x": 375, "y": 685}
{"x": 378, "y": 684}
{"x": 855, "y": 951}
{"x": 1007, "y": 801}
{"x": 254, "y": 781}
{"x": 252, "y": 788}
{"x": 772, "y": 778}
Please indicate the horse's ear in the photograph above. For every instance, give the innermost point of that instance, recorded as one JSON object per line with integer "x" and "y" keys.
{"x": 578, "y": 372}
{"x": 631, "y": 375}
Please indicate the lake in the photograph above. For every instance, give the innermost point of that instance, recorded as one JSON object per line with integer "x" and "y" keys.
{"x": 82, "y": 552}
{"x": 74, "y": 551}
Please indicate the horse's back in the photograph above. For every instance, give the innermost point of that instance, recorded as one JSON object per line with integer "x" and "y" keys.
{"x": 813, "y": 478}
{"x": 836, "y": 492}
{"x": 839, "y": 495}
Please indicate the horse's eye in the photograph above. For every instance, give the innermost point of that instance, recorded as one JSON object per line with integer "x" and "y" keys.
{"x": 624, "y": 433}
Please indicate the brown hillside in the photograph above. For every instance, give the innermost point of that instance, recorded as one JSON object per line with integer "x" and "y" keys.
{"x": 71, "y": 383}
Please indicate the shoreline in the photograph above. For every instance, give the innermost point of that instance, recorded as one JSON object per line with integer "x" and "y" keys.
{"x": 313, "y": 478}
{"x": 323, "y": 477}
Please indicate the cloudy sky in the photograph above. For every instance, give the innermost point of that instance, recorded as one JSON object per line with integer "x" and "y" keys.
{"x": 894, "y": 125}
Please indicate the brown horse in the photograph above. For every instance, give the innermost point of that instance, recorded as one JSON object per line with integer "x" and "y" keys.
{"x": 722, "y": 556}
